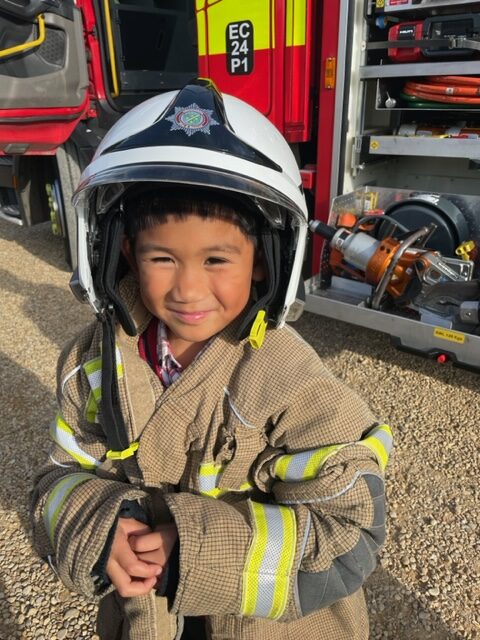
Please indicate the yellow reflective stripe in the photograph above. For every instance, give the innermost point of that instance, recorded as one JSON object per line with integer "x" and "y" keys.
{"x": 216, "y": 17}
{"x": 91, "y": 409}
{"x": 254, "y": 560}
{"x": 209, "y": 475}
{"x": 281, "y": 466}
{"x": 318, "y": 459}
{"x": 305, "y": 465}
{"x": 269, "y": 562}
{"x": 213, "y": 493}
{"x": 93, "y": 371}
{"x": 210, "y": 469}
{"x": 63, "y": 435}
{"x": 380, "y": 441}
{"x": 57, "y": 498}
{"x": 296, "y": 19}
{"x": 208, "y": 478}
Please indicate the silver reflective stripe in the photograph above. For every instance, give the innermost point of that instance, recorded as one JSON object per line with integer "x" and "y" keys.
{"x": 297, "y": 464}
{"x": 208, "y": 483}
{"x": 93, "y": 371}
{"x": 385, "y": 437}
{"x": 59, "y": 464}
{"x": 209, "y": 476}
{"x": 57, "y": 498}
{"x": 380, "y": 441}
{"x": 63, "y": 435}
{"x": 269, "y": 564}
{"x": 70, "y": 375}
{"x": 306, "y": 465}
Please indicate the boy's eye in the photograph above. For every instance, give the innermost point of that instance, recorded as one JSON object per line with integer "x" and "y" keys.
{"x": 216, "y": 260}
{"x": 161, "y": 259}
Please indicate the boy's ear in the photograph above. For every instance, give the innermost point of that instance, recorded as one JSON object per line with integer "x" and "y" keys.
{"x": 259, "y": 271}
{"x": 128, "y": 254}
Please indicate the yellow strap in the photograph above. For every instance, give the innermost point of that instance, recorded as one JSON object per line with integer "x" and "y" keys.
{"x": 27, "y": 45}
{"x": 122, "y": 455}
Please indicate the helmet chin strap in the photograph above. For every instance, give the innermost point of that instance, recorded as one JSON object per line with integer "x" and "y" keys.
{"x": 255, "y": 322}
{"x": 106, "y": 283}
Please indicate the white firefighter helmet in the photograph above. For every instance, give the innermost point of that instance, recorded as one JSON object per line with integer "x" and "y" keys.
{"x": 200, "y": 138}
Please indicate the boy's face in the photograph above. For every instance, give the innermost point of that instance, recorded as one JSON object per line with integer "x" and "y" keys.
{"x": 195, "y": 274}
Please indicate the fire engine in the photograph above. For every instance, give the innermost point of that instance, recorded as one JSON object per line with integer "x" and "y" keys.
{"x": 379, "y": 99}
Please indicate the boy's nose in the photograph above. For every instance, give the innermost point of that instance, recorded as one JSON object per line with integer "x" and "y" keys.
{"x": 188, "y": 285}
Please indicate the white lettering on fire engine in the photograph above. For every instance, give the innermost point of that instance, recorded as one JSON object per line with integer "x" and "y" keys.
{"x": 240, "y": 48}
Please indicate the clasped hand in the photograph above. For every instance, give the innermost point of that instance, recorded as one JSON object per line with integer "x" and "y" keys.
{"x": 139, "y": 555}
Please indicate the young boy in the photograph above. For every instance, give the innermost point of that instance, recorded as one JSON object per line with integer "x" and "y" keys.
{"x": 204, "y": 465}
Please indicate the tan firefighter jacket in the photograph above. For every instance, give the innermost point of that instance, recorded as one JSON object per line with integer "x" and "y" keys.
{"x": 272, "y": 470}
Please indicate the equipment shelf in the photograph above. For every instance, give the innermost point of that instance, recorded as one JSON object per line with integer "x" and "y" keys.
{"x": 424, "y": 146}
{"x": 408, "y": 5}
{"x": 452, "y": 68}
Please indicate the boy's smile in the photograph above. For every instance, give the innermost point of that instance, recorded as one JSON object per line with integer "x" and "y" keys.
{"x": 195, "y": 274}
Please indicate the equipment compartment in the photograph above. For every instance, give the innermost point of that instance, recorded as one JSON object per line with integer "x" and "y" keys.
{"x": 407, "y": 263}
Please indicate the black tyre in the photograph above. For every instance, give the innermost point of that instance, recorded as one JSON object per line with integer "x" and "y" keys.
{"x": 66, "y": 177}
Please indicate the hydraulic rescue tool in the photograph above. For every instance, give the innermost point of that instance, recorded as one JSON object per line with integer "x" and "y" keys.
{"x": 403, "y": 271}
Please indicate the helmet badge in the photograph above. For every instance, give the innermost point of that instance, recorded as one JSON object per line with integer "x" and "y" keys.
{"x": 192, "y": 119}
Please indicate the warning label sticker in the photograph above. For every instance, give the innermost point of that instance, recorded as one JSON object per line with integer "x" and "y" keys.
{"x": 448, "y": 334}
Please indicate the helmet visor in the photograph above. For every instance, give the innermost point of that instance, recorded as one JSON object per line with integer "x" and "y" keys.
{"x": 103, "y": 189}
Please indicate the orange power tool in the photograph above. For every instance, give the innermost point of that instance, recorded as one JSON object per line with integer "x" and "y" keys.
{"x": 389, "y": 264}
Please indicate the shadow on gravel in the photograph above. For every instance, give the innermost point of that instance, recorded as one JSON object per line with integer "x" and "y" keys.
{"x": 34, "y": 240}
{"x": 27, "y": 409}
{"x": 397, "y": 614}
{"x": 53, "y": 309}
{"x": 318, "y": 332}
{"x": 8, "y": 627}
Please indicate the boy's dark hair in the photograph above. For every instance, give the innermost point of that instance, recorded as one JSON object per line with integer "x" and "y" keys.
{"x": 144, "y": 207}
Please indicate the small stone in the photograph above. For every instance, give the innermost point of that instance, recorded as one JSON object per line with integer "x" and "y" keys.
{"x": 62, "y": 634}
{"x": 63, "y": 595}
{"x": 434, "y": 591}
{"x": 71, "y": 613}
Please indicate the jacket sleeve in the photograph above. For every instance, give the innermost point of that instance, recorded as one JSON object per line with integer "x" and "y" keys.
{"x": 75, "y": 503}
{"x": 313, "y": 539}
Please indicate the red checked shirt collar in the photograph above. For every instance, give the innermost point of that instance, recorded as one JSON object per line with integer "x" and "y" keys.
{"x": 169, "y": 368}
{"x": 155, "y": 349}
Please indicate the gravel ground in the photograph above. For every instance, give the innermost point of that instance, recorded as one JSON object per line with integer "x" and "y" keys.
{"x": 427, "y": 582}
